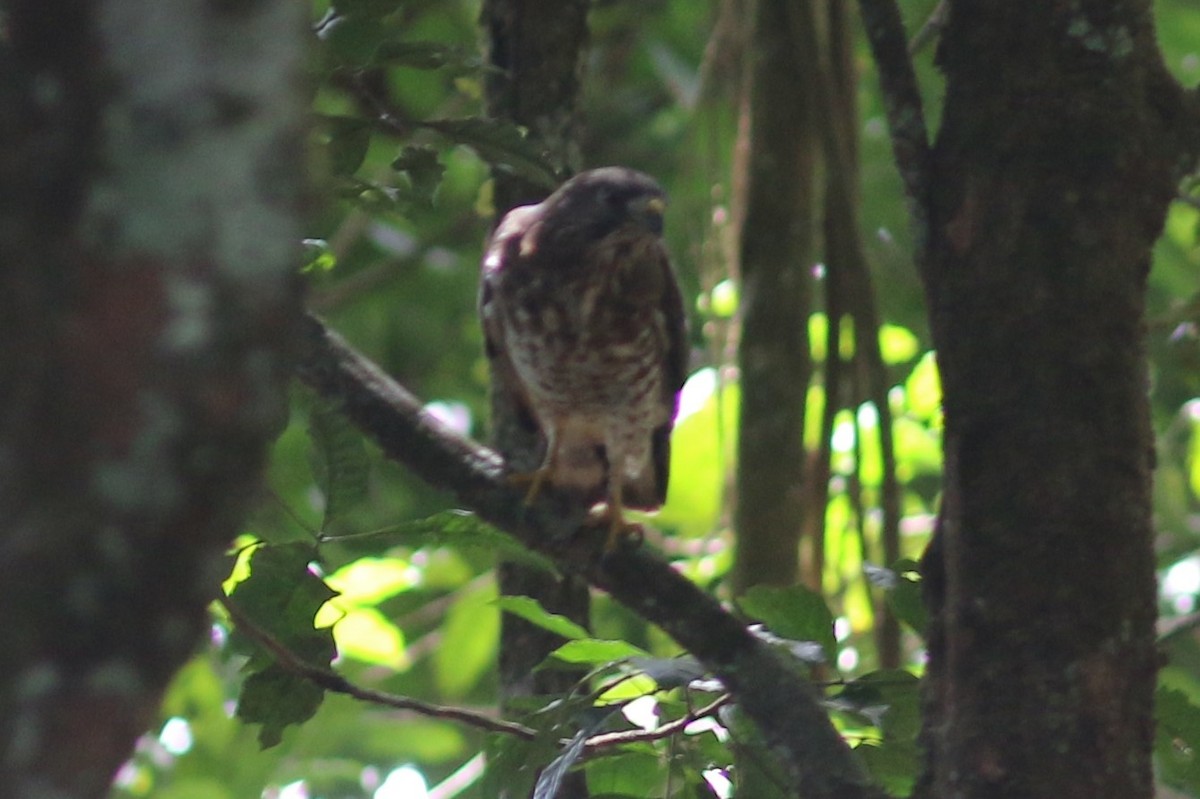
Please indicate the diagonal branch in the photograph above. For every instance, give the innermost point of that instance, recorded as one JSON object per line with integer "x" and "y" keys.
{"x": 769, "y": 688}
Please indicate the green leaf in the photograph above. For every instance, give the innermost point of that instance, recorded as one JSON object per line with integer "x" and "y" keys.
{"x": 631, "y": 772}
{"x": 596, "y": 651}
{"x": 893, "y": 764}
{"x": 459, "y": 529}
{"x": 353, "y": 38}
{"x": 513, "y": 764}
{"x": 276, "y": 699}
{"x": 531, "y": 611}
{"x": 501, "y": 144}
{"x": 886, "y": 699}
{"x": 470, "y": 637}
{"x": 341, "y": 465}
{"x": 793, "y": 612}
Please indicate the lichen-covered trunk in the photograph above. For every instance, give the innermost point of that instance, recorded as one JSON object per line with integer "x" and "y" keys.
{"x": 149, "y": 239}
{"x": 1050, "y": 179}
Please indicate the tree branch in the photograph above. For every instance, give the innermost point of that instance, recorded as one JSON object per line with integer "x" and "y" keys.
{"x": 902, "y": 103}
{"x": 769, "y": 688}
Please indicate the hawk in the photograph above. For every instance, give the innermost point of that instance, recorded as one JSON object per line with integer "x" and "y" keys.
{"x": 584, "y": 326}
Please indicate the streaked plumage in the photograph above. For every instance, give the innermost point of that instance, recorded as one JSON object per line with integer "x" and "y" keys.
{"x": 584, "y": 325}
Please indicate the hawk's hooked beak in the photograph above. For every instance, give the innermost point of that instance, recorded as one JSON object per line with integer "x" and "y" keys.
{"x": 649, "y": 212}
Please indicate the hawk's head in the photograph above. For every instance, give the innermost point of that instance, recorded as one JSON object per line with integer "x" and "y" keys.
{"x": 594, "y": 204}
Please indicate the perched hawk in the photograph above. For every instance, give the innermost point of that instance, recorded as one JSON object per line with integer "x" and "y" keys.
{"x": 584, "y": 326}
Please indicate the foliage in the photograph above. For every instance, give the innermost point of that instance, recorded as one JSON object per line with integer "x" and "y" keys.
{"x": 347, "y": 550}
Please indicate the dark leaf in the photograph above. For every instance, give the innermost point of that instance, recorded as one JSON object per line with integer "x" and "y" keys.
{"x": 276, "y": 699}
{"x": 670, "y": 672}
{"x": 423, "y": 169}
{"x": 348, "y": 139}
{"x": 888, "y": 700}
{"x": 281, "y": 596}
{"x": 501, "y": 144}
{"x": 795, "y": 613}
{"x": 902, "y": 584}
{"x": 341, "y": 464}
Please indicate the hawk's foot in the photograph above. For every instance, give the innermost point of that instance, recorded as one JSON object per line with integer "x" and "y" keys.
{"x": 532, "y": 482}
{"x": 621, "y": 533}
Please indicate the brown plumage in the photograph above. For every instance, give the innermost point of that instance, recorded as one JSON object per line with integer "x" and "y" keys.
{"x": 584, "y": 324}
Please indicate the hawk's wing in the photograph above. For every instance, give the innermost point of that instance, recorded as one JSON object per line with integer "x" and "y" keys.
{"x": 516, "y": 429}
{"x": 675, "y": 365}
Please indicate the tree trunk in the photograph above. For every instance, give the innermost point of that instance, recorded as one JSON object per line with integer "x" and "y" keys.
{"x": 149, "y": 236}
{"x": 777, "y": 240}
{"x": 536, "y": 54}
{"x": 1049, "y": 184}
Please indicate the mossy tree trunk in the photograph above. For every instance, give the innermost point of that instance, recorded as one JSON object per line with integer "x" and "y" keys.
{"x": 149, "y": 235}
{"x": 1061, "y": 143}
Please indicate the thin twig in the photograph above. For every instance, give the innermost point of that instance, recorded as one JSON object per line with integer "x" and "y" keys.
{"x": 609, "y": 739}
{"x": 332, "y": 681}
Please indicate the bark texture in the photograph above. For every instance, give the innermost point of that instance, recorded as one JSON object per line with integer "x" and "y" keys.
{"x": 1058, "y": 154}
{"x": 149, "y": 233}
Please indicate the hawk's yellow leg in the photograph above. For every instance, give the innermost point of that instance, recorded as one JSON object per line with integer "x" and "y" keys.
{"x": 542, "y": 474}
{"x": 618, "y": 529}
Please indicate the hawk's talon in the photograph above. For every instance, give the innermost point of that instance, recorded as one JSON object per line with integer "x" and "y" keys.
{"x": 534, "y": 480}
{"x": 621, "y": 534}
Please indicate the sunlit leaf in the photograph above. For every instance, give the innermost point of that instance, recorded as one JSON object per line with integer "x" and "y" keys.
{"x": 897, "y": 344}
{"x": 593, "y": 651}
{"x": 366, "y": 635}
{"x": 369, "y": 581}
{"x": 703, "y": 436}
{"x": 923, "y": 389}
